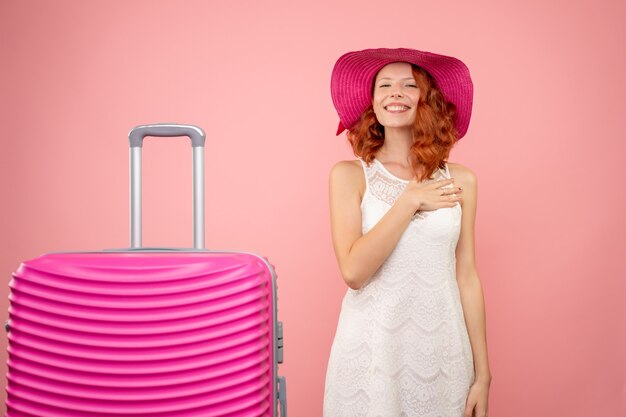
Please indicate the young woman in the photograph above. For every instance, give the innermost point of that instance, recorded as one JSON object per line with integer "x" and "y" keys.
{"x": 411, "y": 338}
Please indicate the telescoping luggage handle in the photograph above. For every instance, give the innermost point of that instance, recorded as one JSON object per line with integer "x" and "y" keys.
{"x": 197, "y": 137}
{"x": 135, "y": 138}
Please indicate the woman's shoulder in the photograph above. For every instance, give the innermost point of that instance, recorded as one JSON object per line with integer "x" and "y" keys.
{"x": 347, "y": 168}
{"x": 348, "y": 173}
{"x": 461, "y": 173}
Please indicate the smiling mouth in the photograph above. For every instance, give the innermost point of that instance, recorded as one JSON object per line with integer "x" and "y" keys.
{"x": 396, "y": 109}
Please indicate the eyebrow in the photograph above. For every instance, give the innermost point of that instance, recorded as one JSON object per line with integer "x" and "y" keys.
{"x": 403, "y": 79}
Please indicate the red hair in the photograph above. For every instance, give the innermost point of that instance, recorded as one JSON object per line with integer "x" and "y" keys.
{"x": 434, "y": 133}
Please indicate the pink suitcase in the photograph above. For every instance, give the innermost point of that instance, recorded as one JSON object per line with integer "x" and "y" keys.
{"x": 146, "y": 332}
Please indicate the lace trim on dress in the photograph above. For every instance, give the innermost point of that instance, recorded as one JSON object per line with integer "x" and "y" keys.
{"x": 387, "y": 187}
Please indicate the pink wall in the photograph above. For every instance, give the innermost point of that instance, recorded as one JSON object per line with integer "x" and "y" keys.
{"x": 546, "y": 141}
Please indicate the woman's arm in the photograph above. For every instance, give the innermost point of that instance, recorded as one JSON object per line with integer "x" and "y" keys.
{"x": 358, "y": 255}
{"x": 467, "y": 276}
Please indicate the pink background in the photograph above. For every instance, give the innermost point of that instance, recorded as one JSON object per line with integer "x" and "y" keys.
{"x": 546, "y": 141}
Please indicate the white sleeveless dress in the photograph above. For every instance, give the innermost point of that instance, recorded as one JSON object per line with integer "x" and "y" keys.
{"x": 401, "y": 347}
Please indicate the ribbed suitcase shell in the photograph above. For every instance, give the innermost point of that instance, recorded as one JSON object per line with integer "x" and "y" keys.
{"x": 103, "y": 334}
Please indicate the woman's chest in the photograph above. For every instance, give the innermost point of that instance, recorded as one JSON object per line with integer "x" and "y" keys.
{"x": 431, "y": 227}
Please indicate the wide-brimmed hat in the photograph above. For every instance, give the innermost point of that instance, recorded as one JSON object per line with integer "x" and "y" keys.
{"x": 354, "y": 72}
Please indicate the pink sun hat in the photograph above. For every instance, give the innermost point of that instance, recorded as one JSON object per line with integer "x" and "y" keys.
{"x": 354, "y": 72}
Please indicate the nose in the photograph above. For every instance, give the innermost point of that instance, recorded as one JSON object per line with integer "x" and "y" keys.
{"x": 396, "y": 92}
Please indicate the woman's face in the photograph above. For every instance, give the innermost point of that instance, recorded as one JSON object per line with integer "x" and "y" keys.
{"x": 396, "y": 95}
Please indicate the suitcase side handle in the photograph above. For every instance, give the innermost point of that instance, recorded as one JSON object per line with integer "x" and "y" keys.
{"x": 135, "y": 137}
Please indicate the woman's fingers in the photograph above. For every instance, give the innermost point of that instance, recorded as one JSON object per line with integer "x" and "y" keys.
{"x": 455, "y": 190}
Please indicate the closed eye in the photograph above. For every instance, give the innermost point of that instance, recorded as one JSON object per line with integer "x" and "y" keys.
{"x": 388, "y": 85}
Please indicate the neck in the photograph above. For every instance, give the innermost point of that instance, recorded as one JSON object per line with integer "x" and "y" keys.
{"x": 398, "y": 141}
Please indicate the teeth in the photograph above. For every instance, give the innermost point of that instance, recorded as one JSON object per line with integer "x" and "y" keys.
{"x": 396, "y": 108}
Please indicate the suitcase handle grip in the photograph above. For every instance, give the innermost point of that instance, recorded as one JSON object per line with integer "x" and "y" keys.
{"x": 137, "y": 134}
{"x": 135, "y": 138}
